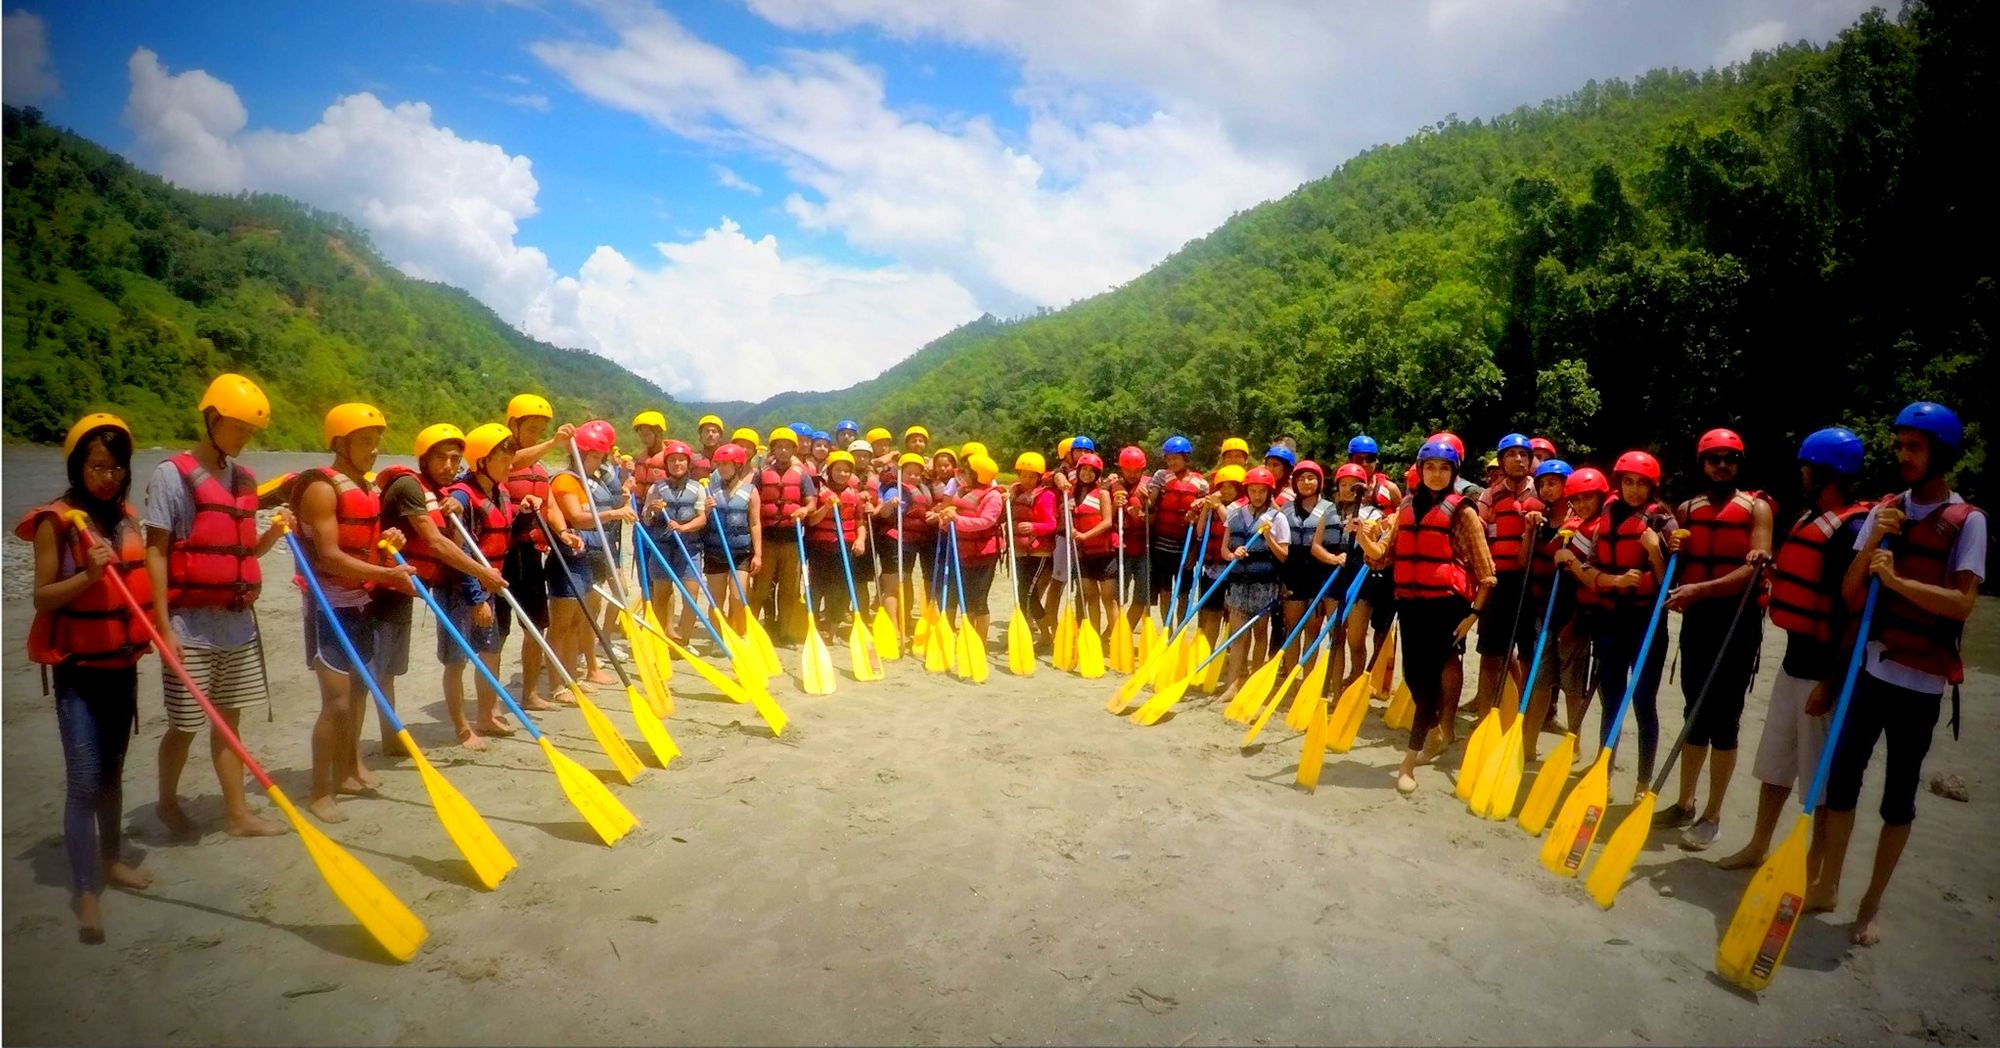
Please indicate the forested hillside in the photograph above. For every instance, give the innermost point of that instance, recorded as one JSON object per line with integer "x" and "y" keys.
{"x": 123, "y": 292}
{"x": 1802, "y": 239}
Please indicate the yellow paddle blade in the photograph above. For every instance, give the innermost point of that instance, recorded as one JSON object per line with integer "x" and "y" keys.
{"x": 490, "y": 860}
{"x": 1277, "y": 696}
{"x": 1511, "y": 692}
{"x": 1402, "y": 710}
{"x": 768, "y": 708}
{"x": 370, "y": 901}
{"x": 1482, "y": 739}
{"x": 972, "y": 664}
{"x": 1309, "y": 693}
{"x": 862, "y": 657}
{"x": 1250, "y": 697}
{"x": 886, "y": 642}
{"x": 1149, "y": 639}
{"x": 608, "y": 818}
{"x": 1162, "y": 701}
{"x": 1487, "y": 777}
{"x": 1347, "y": 714}
{"x": 1575, "y": 829}
{"x": 961, "y": 658}
{"x": 1548, "y": 786}
{"x": 1089, "y": 652}
{"x": 920, "y": 637}
{"x": 1062, "y": 651}
{"x": 1211, "y": 674}
{"x": 665, "y": 666}
{"x": 1121, "y": 653}
{"x": 934, "y": 645}
{"x": 623, "y": 760}
{"x": 729, "y": 689}
{"x": 1754, "y": 945}
{"x": 1314, "y": 755}
{"x": 643, "y": 650}
{"x": 1154, "y": 666}
{"x": 651, "y": 730}
{"x": 1507, "y": 780}
{"x": 1385, "y": 663}
{"x": 815, "y": 662}
{"x": 1615, "y": 861}
{"x": 1020, "y": 645}
{"x": 760, "y": 643}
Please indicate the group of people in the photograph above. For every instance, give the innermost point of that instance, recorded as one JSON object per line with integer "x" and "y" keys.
{"x": 1276, "y": 551}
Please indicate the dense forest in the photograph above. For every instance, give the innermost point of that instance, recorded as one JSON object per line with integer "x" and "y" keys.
{"x": 123, "y": 292}
{"x": 1800, "y": 240}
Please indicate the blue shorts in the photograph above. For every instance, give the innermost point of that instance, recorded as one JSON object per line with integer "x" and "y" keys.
{"x": 323, "y": 635}
{"x": 487, "y": 640}
{"x": 573, "y": 582}
{"x": 684, "y": 567}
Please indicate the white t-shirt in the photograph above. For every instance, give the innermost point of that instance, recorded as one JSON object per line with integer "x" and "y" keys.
{"x": 1968, "y": 553}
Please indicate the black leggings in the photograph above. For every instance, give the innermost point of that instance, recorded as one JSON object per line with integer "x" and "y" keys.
{"x": 94, "y": 712}
{"x": 1026, "y": 571}
{"x": 1428, "y": 644}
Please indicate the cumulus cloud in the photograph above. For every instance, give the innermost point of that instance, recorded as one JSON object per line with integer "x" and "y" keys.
{"x": 29, "y": 77}
{"x": 446, "y": 208}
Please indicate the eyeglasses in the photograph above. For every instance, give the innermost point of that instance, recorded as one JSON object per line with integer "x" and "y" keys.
{"x": 105, "y": 471}
{"x": 1726, "y": 458}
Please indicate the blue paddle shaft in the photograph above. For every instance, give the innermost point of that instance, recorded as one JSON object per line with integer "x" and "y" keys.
{"x": 647, "y": 543}
{"x": 1645, "y": 648}
{"x": 1541, "y": 639}
{"x": 846, "y": 566}
{"x": 346, "y": 645}
{"x": 1335, "y": 621}
{"x": 957, "y": 570}
{"x": 1307, "y": 615}
{"x": 805, "y": 576}
{"x": 1846, "y": 693}
{"x": 1240, "y": 630}
{"x": 729, "y": 558}
{"x": 444, "y": 623}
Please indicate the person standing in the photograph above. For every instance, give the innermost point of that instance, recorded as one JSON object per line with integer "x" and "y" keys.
{"x": 739, "y": 541}
{"x": 1177, "y": 491}
{"x": 526, "y": 566}
{"x": 828, "y": 568}
{"x": 786, "y": 494}
{"x": 1628, "y": 561}
{"x": 586, "y": 496}
{"x": 1506, "y": 631}
{"x": 1316, "y": 553}
{"x": 1566, "y": 652}
{"x": 1255, "y": 583}
{"x": 480, "y": 494}
{"x": 202, "y": 546}
{"x": 974, "y": 512}
{"x": 1036, "y": 521}
{"x": 676, "y": 519}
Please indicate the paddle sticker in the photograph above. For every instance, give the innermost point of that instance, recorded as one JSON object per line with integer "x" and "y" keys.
{"x": 1776, "y": 936}
{"x": 1585, "y": 833}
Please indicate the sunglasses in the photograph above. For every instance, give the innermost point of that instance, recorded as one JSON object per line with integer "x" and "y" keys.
{"x": 1728, "y": 458}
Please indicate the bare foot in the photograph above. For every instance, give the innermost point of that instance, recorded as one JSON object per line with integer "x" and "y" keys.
{"x": 1867, "y": 924}
{"x": 1749, "y": 858}
{"x": 176, "y": 821}
{"x": 248, "y": 825}
{"x": 89, "y": 919}
{"x": 325, "y": 810}
{"x": 1405, "y": 784}
{"x": 355, "y": 785}
{"x": 1822, "y": 899}
{"x": 496, "y": 726}
{"x": 125, "y": 875}
{"x": 538, "y": 702}
{"x": 602, "y": 678}
{"x": 393, "y": 749}
{"x": 470, "y": 739}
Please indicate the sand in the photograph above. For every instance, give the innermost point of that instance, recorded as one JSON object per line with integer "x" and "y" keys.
{"x": 924, "y": 861}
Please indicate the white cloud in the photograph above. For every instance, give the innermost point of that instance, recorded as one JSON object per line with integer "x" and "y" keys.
{"x": 728, "y": 179}
{"x": 538, "y": 103}
{"x": 720, "y": 316}
{"x": 29, "y": 77}
{"x": 1749, "y": 40}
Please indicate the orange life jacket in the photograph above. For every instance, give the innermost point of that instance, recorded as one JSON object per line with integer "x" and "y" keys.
{"x": 216, "y": 565}
{"x": 780, "y": 494}
{"x": 1087, "y": 512}
{"x": 1718, "y": 537}
{"x": 821, "y": 532}
{"x": 489, "y": 519}
{"x": 1801, "y": 602}
{"x": 1910, "y": 635}
{"x": 523, "y": 481}
{"x": 1620, "y": 549}
{"x": 357, "y": 512}
{"x": 96, "y": 628}
{"x": 1426, "y": 564}
{"x": 1507, "y": 528}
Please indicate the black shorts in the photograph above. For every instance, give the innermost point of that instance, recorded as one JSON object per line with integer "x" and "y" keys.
{"x": 1303, "y": 577}
{"x": 1098, "y": 567}
{"x": 1504, "y": 610}
{"x": 1380, "y": 593}
{"x": 1163, "y": 564}
{"x": 1703, "y": 627}
{"x": 527, "y": 580}
{"x": 1908, "y": 719}
{"x": 978, "y": 581}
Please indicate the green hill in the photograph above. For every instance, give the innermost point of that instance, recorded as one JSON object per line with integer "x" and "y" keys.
{"x": 125, "y": 293}
{"x": 1798, "y": 240}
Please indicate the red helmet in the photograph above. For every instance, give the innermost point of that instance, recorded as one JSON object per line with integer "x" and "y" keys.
{"x": 675, "y": 447}
{"x": 1090, "y": 459}
{"x": 732, "y": 452}
{"x": 1350, "y": 469}
{"x": 1410, "y": 479}
{"x": 1260, "y": 475}
{"x": 1717, "y": 439}
{"x": 1131, "y": 457}
{"x": 1640, "y": 463}
{"x": 1314, "y": 468}
{"x": 596, "y": 435}
{"x": 1544, "y": 445}
{"x": 1448, "y": 437}
{"x": 1585, "y": 481}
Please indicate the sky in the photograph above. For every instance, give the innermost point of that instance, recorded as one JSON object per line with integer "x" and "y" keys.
{"x": 736, "y": 198}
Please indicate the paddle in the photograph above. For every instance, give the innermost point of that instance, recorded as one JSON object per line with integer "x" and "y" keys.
{"x": 862, "y": 658}
{"x": 938, "y": 640}
{"x": 1344, "y": 723}
{"x": 489, "y": 859}
{"x": 1121, "y": 632}
{"x": 753, "y": 630}
{"x": 745, "y": 664}
{"x": 1251, "y": 696}
{"x": 1089, "y": 643}
{"x": 815, "y": 662}
{"x": 971, "y": 662}
{"x": 1165, "y": 656}
{"x": 623, "y": 760}
{"x": 638, "y": 648}
{"x": 653, "y": 661}
{"x": 1062, "y": 649}
{"x": 1385, "y": 665}
{"x": 1020, "y": 638}
{"x": 883, "y": 629}
{"x": 1623, "y": 848}
{"x": 1582, "y": 813}
{"x": 903, "y": 588}
{"x": 756, "y": 693}
{"x": 1485, "y": 737}
{"x": 370, "y": 901}
{"x": 1761, "y": 928}
{"x": 1500, "y": 777}
{"x": 1315, "y": 680}
{"x": 1150, "y": 713}
{"x": 607, "y": 817}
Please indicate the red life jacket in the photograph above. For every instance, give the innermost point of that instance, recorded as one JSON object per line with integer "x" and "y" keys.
{"x": 489, "y": 520}
{"x": 821, "y": 532}
{"x": 1910, "y": 635}
{"x": 1211, "y": 533}
{"x": 416, "y": 549}
{"x": 1800, "y": 601}
{"x": 1023, "y": 501}
{"x": 1135, "y": 521}
{"x": 1619, "y": 550}
{"x": 96, "y": 627}
{"x": 523, "y": 481}
{"x": 1718, "y": 538}
{"x": 909, "y": 519}
{"x": 358, "y": 513}
{"x": 1583, "y": 542}
{"x": 1543, "y": 546}
{"x": 1426, "y": 565}
{"x": 1385, "y": 491}
{"x": 1087, "y": 512}
{"x": 1178, "y": 495}
{"x": 780, "y": 494}
{"x": 649, "y": 469}
{"x": 979, "y": 548}
{"x": 216, "y": 565}
{"x": 1507, "y": 527}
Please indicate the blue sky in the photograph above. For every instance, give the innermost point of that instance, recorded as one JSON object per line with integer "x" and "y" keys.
{"x": 741, "y": 198}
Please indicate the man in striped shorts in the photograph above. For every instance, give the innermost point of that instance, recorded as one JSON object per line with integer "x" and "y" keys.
{"x": 202, "y": 546}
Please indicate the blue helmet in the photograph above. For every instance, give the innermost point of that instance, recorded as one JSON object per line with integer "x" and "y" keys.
{"x": 847, "y": 424}
{"x": 820, "y": 434}
{"x": 1083, "y": 444}
{"x": 1177, "y": 445}
{"x": 801, "y": 429}
{"x": 1553, "y": 468}
{"x": 1934, "y": 419}
{"x": 1512, "y": 441}
{"x": 1282, "y": 454}
{"x": 1438, "y": 449}
{"x": 1363, "y": 445}
{"x": 1838, "y": 449}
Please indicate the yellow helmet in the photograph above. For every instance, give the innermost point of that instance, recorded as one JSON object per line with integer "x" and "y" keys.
{"x": 984, "y": 469}
{"x": 1229, "y": 473}
{"x": 1062, "y": 447}
{"x": 839, "y": 456}
{"x": 650, "y": 418}
{"x": 94, "y": 420}
{"x": 973, "y": 447}
{"x": 1236, "y": 444}
{"x": 347, "y": 418}
{"x": 710, "y": 420}
{"x": 910, "y": 458}
{"x": 233, "y": 396}
{"x": 942, "y": 452}
{"x": 745, "y": 433}
{"x": 481, "y": 441}
{"x": 528, "y": 405}
{"x": 916, "y": 431}
{"x": 782, "y": 433}
{"x": 1031, "y": 460}
{"x": 878, "y": 433}
{"x": 433, "y": 435}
